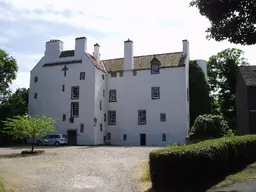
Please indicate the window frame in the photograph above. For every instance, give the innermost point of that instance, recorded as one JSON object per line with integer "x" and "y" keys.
{"x": 121, "y": 74}
{"x": 100, "y": 105}
{"x": 108, "y": 136}
{"x": 105, "y": 117}
{"x": 163, "y": 137}
{"x": 101, "y": 127}
{"x": 113, "y": 74}
{"x": 139, "y": 117}
{"x": 72, "y": 91}
{"x": 81, "y": 128}
{"x": 63, "y": 88}
{"x": 35, "y": 95}
{"x": 35, "y": 79}
{"x": 72, "y": 111}
{"x": 103, "y": 93}
{"x": 124, "y": 137}
{"x": 103, "y": 76}
{"x": 64, "y": 117}
{"x": 152, "y": 93}
{"x": 163, "y": 117}
{"x": 134, "y": 72}
{"x": 155, "y": 67}
{"x": 113, "y": 121}
{"x": 111, "y": 97}
{"x": 82, "y": 76}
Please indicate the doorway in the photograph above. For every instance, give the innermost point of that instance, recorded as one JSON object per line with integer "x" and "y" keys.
{"x": 143, "y": 139}
{"x": 72, "y": 137}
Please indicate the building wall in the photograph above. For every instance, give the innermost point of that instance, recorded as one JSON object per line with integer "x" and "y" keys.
{"x": 100, "y": 85}
{"x": 251, "y": 90}
{"x": 242, "y": 113}
{"x": 54, "y": 103}
{"x": 134, "y": 93}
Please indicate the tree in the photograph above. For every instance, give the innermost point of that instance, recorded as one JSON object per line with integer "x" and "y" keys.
{"x": 222, "y": 73}
{"x": 26, "y": 126}
{"x": 200, "y": 102}
{"x": 8, "y": 70}
{"x": 208, "y": 127}
{"x": 234, "y": 20}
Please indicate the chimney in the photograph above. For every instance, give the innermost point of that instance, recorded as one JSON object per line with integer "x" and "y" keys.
{"x": 185, "y": 44}
{"x": 96, "y": 53}
{"x": 128, "y": 55}
{"x": 53, "y": 49}
{"x": 80, "y": 46}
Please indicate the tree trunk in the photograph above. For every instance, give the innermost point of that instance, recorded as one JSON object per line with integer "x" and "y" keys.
{"x": 33, "y": 143}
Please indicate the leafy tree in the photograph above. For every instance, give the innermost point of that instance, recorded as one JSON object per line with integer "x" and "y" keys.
{"x": 222, "y": 73}
{"x": 234, "y": 20}
{"x": 200, "y": 102}
{"x": 8, "y": 70}
{"x": 26, "y": 126}
{"x": 209, "y": 126}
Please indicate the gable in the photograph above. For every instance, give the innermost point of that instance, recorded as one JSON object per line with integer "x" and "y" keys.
{"x": 248, "y": 73}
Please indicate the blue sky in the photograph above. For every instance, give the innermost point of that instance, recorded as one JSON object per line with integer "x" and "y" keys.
{"x": 154, "y": 26}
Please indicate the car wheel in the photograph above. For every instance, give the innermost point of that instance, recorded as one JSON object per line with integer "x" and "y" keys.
{"x": 39, "y": 143}
{"x": 57, "y": 143}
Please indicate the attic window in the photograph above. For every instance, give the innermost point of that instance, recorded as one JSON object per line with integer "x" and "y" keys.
{"x": 68, "y": 53}
{"x": 113, "y": 74}
{"x": 155, "y": 65}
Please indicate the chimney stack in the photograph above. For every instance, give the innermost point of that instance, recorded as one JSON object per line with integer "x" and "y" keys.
{"x": 185, "y": 44}
{"x": 96, "y": 53}
{"x": 128, "y": 55}
{"x": 53, "y": 49}
{"x": 80, "y": 46}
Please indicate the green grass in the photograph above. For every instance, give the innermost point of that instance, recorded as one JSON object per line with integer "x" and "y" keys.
{"x": 249, "y": 173}
{"x": 3, "y": 189}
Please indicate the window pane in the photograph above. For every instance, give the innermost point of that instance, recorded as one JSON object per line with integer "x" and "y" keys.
{"x": 134, "y": 73}
{"x": 75, "y": 92}
{"x": 155, "y": 69}
{"x": 82, "y": 76}
{"x": 155, "y": 92}
{"x": 162, "y": 117}
{"x": 111, "y": 117}
{"x": 113, "y": 74}
{"x": 75, "y": 109}
{"x": 163, "y": 137}
{"x": 112, "y": 95}
{"x": 81, "y": 127}
{"x": 142, "y": 116}
{"x": 121, "y": 74}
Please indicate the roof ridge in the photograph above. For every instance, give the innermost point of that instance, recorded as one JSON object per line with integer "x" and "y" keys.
{"x": 144, "y": 55}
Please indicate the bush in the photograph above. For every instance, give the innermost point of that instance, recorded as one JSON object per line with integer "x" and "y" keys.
{"x": 196, "y": 166}
{"x": 208, "y": 127}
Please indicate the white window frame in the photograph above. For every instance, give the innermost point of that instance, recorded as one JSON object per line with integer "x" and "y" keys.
{"x": 112, "y": 95}
{"x": 142, "y": 117}
{"x": 75, "y": 109}
{"x": 112, "y": 117}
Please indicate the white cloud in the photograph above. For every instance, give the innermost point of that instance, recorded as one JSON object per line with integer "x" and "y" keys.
{"x": 154, "y": 26}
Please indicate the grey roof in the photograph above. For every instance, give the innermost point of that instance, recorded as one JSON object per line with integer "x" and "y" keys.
{"x": 248, "y": 73}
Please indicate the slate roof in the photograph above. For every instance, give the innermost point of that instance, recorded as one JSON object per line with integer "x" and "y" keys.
{"x": 248, "y": 73}
{"x": 143, "y": 62}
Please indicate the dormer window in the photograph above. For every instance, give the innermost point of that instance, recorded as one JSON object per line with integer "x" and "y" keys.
{"x": 155, "y": 66}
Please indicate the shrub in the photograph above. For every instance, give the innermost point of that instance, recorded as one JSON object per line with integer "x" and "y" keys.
{"x": 208, "y": 126}
{"x": 186, "y": 167}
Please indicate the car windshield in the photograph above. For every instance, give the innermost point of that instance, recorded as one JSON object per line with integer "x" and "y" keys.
{"x": 64, "y": 136}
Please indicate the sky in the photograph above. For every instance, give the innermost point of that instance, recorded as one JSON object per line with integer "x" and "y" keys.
{"x": 154, "y": 27}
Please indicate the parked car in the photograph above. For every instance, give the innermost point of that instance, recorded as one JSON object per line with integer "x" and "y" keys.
{"x": 54, "y": 139}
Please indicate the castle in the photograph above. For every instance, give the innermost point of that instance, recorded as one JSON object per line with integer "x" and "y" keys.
{"x": 134, "y": 100}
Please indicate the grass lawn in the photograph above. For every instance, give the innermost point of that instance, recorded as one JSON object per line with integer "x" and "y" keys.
{"x": 249, "y": 173}
{"x": 3, "y": 189}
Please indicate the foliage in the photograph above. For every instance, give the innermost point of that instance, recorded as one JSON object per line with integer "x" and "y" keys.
{"x": 8, "y": 70}
{"x": 234, "y": 20}
{"x": 222, "y": 73}
{"x": 208, "y": 127}
{"x": 13, "y": 105}
{"x": 200, "y": 102}
{"x": 26, "y": 126}
{"x": 196, "y": 166}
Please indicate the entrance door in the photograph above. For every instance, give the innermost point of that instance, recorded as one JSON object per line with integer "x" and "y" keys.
{"x": 72, "y": 137}
{"x": 143, "y": 139}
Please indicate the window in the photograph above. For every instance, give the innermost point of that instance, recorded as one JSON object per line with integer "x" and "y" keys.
{"x": 56, "y": 136}
{"x": 100, "y": 105}
{"x": 155, "y": 92}
{"x": 155, "y": 69}
{"x": 103, "y": 77}
{"x": 75, "y": 92}
{"x": 162, "y": 117}
{"x": 142, "y": 117}
{"x": 82, "y": 76}
{"x": 112, "y": 95}
{"x": 103, "y": 93}
{"x": 113, "y": 74}
{"x": 111, "y": 117}
{"x": 35, "y": 79}
{"x": 71, "y": 119}
{"x": 64, "y": 117}
{"x": 109, "y": 136}
{"x": 105, "y": 117}
{"x": 163, "y": 137}
{"x": 121, "y": 74}
{"x": 74, "y": 109}
{"x": 101, "y": 127}
{"x": 81, "y": 128}
{"x": 63, "y": 88}
{"x": 35, "y": 95}
{"x": 124, "y": 137}
{"x": 104, "y": 138}
{"x": 134, "y": 73}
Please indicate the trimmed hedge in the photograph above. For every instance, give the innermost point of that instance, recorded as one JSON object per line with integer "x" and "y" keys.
{"x": 187, "y": 167}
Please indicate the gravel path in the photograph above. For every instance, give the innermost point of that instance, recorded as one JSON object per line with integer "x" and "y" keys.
{"x": 78, "y": 168}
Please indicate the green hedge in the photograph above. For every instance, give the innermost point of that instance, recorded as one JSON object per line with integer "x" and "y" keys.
{"x": 187, "y": 167}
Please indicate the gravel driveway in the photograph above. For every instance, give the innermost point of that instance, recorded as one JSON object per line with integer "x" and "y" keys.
{"x": 76, "y": 168}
